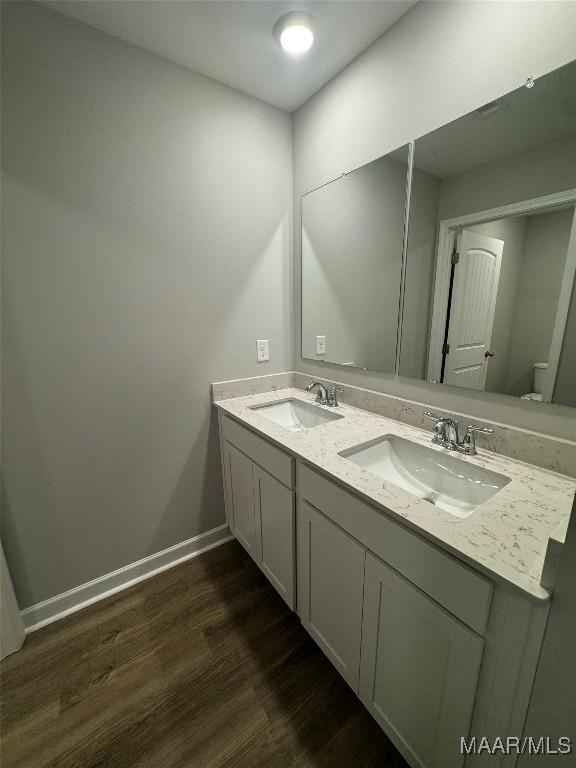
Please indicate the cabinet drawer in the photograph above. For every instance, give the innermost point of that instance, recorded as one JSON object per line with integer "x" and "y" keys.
{"x": 462, "y": 591}
{"x": 279, "y": 464}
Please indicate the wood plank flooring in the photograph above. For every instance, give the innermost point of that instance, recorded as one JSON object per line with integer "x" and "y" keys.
{"x": 200, "y": 667}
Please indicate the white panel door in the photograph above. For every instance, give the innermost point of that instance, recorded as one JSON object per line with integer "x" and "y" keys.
{"x": 330, "y": 589}
{"x": 474, "y": 295}
{"x": 420, "y": 669}
{"x": 275, "y": 516}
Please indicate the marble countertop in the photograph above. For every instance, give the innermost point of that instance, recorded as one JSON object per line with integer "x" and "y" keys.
{"x": 506, "y": 537}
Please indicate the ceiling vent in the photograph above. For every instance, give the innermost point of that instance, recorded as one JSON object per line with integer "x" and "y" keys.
{"x": 492, "y": 108}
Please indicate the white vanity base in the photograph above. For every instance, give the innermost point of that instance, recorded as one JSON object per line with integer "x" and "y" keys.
{"x": 436, "y": 650}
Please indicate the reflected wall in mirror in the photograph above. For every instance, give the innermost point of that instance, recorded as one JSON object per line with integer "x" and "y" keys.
{"x": 352, "y": 240}
{"x": 489, "y": 294}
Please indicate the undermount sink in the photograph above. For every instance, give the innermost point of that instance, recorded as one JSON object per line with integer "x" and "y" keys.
{"x": 296, "y": 415}
{"x": 449, "y": 483}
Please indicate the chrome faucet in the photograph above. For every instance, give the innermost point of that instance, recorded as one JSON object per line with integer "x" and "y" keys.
{"x": 324, "y": 396}
{"x": 446, "y": 434}
{"x": 445, "y": 431}
{"x": 321, "y": 394}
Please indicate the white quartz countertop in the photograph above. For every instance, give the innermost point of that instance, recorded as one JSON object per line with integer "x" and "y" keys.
{"x": 506, "y": 537}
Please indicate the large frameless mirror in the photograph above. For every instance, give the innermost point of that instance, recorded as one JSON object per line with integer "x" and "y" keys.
{"x": 489, "y": 300}
{"x": 352, "y": 242}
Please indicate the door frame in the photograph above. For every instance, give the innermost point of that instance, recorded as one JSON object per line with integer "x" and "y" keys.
{"x": 448, "y": 229}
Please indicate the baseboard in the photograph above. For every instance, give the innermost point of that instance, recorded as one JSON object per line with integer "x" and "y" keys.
{"x": 73, "y": 600}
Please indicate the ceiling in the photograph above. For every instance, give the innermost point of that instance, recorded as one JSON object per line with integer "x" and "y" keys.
{"x": 518, "y": 121}
{"x": 231, "y": 40}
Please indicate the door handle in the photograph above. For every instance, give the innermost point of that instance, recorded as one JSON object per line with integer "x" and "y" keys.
{"x": 488, "y": 354}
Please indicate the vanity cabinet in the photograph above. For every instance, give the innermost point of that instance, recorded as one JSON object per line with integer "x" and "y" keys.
{"x": 435, "y": 650}
{"x": 258, "y": 481}
{"x": 420, "y": 668}
{"x": 413, "y": 662}
{"x": 331, "y": 587}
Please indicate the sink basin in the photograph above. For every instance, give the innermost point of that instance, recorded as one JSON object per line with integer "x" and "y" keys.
{"x": 449, "y": 483}
{"x": 296, "y": 415}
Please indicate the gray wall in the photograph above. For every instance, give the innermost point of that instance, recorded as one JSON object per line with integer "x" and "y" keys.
{"x": 565, "y": 389}
{"x": 535, "y": 172}
{"x": 416, "y": 77}
{"x": 540, "y": 280}
{"x": 352, "y": 235}
{"x": 419, "y": 274}
{"x": 146, "y": 225}
{"x": 531, "y": 275}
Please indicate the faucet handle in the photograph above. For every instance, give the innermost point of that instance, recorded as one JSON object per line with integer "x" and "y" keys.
{"x": 484, "y": 430}
{"x": 440, "y": 419}
{"x": 332, "y": 398}
{"x": 434, "y": 416}
{"x": 438, "y": 429}
{"x": 469, "y": 441}
{"x": 444, "y": 418}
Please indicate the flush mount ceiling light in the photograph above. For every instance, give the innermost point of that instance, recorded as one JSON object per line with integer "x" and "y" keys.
{"x": 294, "y": 32}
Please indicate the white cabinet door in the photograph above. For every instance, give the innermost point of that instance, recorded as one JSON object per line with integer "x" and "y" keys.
{"x": 275, "y": 516}
{"x": 420, "y": 669}
{"x": 225, "y": 456}
{"x": 330, "y": 589}
{"x": 241, "y": 499}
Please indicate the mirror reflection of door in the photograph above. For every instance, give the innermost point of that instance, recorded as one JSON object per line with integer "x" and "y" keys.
{"x": 506, "y": 170}
{"x": 472, "y": 304}
{"x": 501, "y": 299}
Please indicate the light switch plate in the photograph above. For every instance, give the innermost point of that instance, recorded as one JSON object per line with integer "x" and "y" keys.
{"x": 320, "y": 345}
{"x": 262, "y": 350}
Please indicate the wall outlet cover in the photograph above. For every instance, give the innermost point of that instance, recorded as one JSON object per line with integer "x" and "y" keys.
{"x": 262, "y": 350}
{"x": 320, "y": 345}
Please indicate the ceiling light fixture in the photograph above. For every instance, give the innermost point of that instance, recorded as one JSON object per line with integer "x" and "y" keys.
{"x": 294, "y": 32}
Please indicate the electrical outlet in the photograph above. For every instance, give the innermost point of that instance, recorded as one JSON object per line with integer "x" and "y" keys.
{"x": 262, "y": 350}
{"x": 320, "y": 345}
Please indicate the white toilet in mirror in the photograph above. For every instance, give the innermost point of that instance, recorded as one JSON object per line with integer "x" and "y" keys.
{"x": 538, "y": 382}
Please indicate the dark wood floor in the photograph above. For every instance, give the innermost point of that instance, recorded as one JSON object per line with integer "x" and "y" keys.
{"x": 200, "y": 666}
